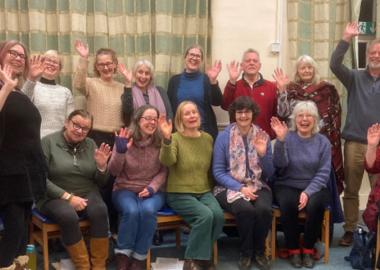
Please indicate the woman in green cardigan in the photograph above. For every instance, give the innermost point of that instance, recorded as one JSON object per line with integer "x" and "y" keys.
{"x": 188, "y": 154}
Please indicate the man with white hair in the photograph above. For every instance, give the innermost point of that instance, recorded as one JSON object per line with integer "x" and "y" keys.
{"x": 363, "y": 99}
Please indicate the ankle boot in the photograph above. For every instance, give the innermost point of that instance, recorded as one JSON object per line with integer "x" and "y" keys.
{"x": 79, "y": 255}
{"x": 11, "y": 267}
{"x": 137, "y": 264}
{"x": 21, "y": 262}
{"x": 99, "y": 252}
{"x": 122, "y": 261}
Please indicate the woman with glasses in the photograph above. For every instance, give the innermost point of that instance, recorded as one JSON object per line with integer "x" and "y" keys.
{"x": 22, "y": 164}
{"x": 143, "y": 91}
{"x": 54, "y": 102}
{"x": 242, "y": 166}
{"x": 137, "y": 191}
{"x": 198, "y": 87}
{"x": 76, "y": 170}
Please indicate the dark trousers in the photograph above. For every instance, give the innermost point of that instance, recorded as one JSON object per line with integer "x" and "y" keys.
{"x": 253, "y": 220}
{"x": 64, "y": 214}
{"x": 288, "y": 200}
{"x": 16, "y": 217}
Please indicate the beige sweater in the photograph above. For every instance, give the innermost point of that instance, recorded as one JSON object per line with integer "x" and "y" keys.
{"x": 103, "y": 98}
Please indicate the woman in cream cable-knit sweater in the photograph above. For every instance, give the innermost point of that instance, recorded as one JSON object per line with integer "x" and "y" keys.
{"x": 102, "y": 92}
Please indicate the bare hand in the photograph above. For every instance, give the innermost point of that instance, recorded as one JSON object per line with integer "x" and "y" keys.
{"x": 303, "y": 201}
{"x": 36, "y": 67}
{"x": 81, "y": 48}
{"x": 214, "y": 71}
{"x": 165, "y": 126}
{"x": 280, "y": 128}
{"x": 144, "y": 193}
{"x": 260, "y": 142}
{"x": 282, "y": 80}
{"x": 234, "y": 71}
{"x": 248, "y": 193}
{"x": 373, "y": 135}
{"x": 102, "y": 155}
{"x": 351, "y": 30}
{"x": 78, "y": 203}
{"x": 127, "y": 74}
{"x": 6, "y": 77}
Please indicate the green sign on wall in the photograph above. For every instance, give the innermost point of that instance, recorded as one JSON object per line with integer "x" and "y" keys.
{"x": 367, "y": 28}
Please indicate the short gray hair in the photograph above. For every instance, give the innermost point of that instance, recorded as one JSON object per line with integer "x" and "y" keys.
{"x": 250, "y": 50}
{"x": 306, "y": 59}
{"x": 148, "y": 64}
{"x": 305, "y": 107}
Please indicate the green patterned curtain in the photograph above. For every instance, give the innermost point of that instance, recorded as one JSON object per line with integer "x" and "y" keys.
{"x": 157, "y": 30}
{"x": 314, "y": 28}
{"x": 377, "y": 18}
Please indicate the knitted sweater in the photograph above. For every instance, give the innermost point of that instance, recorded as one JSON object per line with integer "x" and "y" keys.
{"x": 303, "y": 163}
{"x": 103, "y": 99}
{"x": 54, "y": 102}
{"x": 189, "y": 161}
{"x": 138, "y": 168}
{"x": 71, "y": 169}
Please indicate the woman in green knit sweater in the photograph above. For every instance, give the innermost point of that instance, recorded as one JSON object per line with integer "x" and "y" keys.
{"x": 188, "y": 154}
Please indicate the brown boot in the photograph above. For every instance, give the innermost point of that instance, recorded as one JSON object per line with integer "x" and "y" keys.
{"x": 137, "y": 264}
{"x": 122, "y": 261}
{"x": 79, "y": 255}
{"x": 99, "y": 252}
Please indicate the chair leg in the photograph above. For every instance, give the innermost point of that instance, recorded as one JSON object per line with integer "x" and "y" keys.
{"x": 273, "y": 238}
{"x": 45, "y": 248}
{"x": 148, "y": 258}
{"x": 267, "y": 245}
{"x": 178, "y": 237}
{"x": 326, "y": 235}
{"x": 215, "y": 253}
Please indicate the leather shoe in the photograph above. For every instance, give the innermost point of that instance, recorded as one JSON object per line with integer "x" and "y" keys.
{"x": 295, "y": 260}
{"x": 122, "y": 261}
{"x": 308, "y": 261}
{"x": 244, "y": 263}
{"x": 262, "y": 262}
{"x": 346, "y": 239}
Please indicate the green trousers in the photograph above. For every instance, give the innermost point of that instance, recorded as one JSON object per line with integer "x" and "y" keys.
{"x": 203, "y": 214}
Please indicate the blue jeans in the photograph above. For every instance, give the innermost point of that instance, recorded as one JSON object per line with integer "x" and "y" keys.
{"x": 138, "y": 220}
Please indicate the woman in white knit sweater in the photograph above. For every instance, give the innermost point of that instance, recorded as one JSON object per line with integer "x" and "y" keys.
{"x": 54, "y": 101}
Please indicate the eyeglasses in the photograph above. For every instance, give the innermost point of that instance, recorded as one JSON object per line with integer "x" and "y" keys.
{"x": 243, "y": 112}
{"x": 195, "y": 56}
{"x": 14, "y": 54}
{"x": 104, "y": 65}
{"x": 149, "y": 118}
{"x": 79, "y": 127}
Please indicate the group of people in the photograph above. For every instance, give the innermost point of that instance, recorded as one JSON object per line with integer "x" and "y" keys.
{"x": 138, "y": 147}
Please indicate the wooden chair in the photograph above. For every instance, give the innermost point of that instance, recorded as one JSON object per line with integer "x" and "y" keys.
{"x": 42, "y": 229}
{"x": 325, "y": 234}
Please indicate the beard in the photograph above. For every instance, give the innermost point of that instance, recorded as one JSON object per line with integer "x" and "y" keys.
{"x": 373, "y": 65}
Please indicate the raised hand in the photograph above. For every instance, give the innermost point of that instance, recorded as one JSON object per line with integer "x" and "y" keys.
{"x": 373, "y": 135}
{"x": 36, "y": 67}
{"x": 234, "y": 71}
{"x": 6, "y": 77}
{"x": 102, "y": 155}
{"x": 279, "y": 127}
{"x": 214, "y": 71}
{"x": 303, "y": 201}
{"x": 123, "y": 140}
{"x": 260, "y": 142}
{"x": 351, "y": 30}
{"x": 282, "y": 80}
{"x": 81, "y": 48}
{"x": 165, "y": 126}
{"x": 127, "y": 74}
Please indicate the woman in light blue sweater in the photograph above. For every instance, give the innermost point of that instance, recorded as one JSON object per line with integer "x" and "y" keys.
{"x": 302, "y": 158}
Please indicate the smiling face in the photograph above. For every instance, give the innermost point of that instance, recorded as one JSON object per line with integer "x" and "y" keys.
{"x": 52, "y": 67}
{"x": 305, "y": 123}
{"x": 16, "y": 58}
{"x": 251, "y": 64}
{"x": 305, "y": 71}
{"x": 373, "y": 56}
{"x": 193, "y": 60}
{"x": 143, "y": 77}
{"x": 244, "y": 118}
{"x": 190, "y": 116}
{"x": 148, "y": 122}
{"x": 105, "y": 66}
{"x": 76, "y": 129}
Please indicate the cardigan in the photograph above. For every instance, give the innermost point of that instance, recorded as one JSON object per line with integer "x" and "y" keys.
{"x": 189, "y": 161}
{"x": 54, "y": 102}
{"x": 71, "y": 168}
{"x": 22, "y": 164}
{"x": 103, "y": 99}
{"x": 212, "y": 96}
